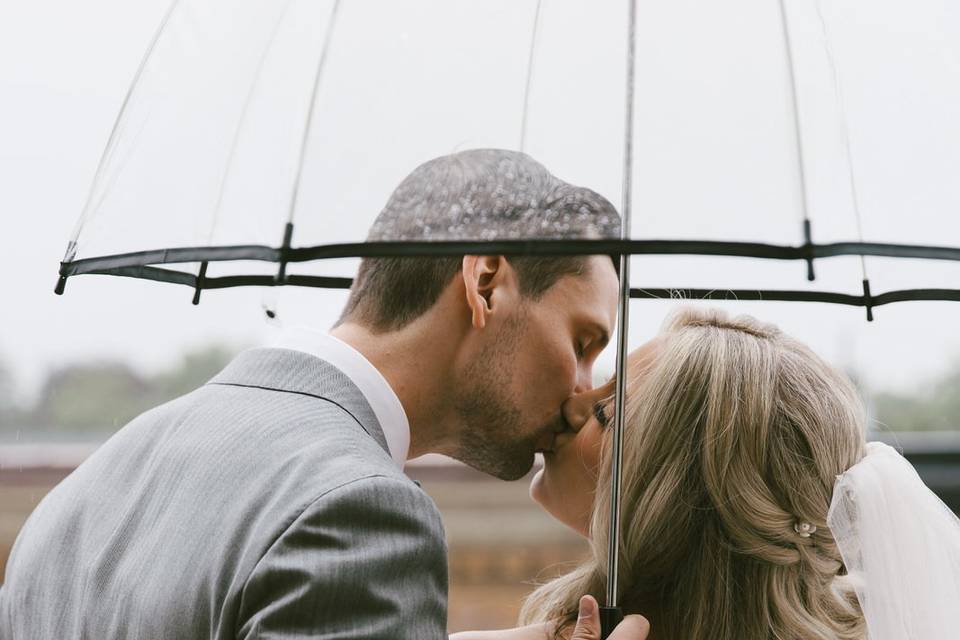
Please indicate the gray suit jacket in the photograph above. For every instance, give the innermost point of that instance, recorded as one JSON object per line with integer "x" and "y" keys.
{"x": 262, "y": 505}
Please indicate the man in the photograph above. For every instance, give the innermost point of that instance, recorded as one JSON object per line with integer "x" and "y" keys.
{"x": 271, "y": 502}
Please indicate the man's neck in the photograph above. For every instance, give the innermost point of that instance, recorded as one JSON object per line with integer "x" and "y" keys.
{"x": 416, "y": 365}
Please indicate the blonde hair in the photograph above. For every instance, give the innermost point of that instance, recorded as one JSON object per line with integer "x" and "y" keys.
{"x": 733, "y": 435}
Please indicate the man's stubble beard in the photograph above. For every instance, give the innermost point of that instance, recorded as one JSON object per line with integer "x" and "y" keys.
{"x": 492, "y": 439}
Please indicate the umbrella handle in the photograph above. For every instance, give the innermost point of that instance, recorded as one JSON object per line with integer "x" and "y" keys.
{"x": 610, "y": 617}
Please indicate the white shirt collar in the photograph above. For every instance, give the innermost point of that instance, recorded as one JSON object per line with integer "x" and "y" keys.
{"x": 371, "y": 383}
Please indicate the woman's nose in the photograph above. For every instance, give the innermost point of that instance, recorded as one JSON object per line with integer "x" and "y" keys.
{"x": 579, "y": 407}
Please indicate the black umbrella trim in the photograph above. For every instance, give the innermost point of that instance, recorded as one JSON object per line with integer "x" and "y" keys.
{"x": 506, "y": 247}
{"x": 140, "y": 264}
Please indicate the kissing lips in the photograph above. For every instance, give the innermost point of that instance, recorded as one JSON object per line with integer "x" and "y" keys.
{"x": 548, "y": 443}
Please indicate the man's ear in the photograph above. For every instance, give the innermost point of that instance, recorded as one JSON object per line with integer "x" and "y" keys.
{"x": 481, "y": 275}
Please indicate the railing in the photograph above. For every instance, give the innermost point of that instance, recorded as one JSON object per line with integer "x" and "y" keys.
{"x": 936, "y": 457}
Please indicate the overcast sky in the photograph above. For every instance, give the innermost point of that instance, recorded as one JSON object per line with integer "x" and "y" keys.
{"x": 65, "y": 67}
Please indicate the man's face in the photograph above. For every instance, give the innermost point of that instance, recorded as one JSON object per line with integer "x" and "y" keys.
{"x": 534, "y": 357}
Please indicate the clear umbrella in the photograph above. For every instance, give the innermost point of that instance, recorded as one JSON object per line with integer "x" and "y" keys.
{"x": 754, "y": 123}
{"x": 259, "y": 139}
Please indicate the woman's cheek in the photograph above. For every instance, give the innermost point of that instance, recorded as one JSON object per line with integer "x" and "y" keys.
{"x": 589, "y": 444}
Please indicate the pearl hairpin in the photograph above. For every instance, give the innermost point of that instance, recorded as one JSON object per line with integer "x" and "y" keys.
{"x": 804, "y": 529}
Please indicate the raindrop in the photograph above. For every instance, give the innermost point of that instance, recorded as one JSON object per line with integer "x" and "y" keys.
{"x": 268, "y": 302}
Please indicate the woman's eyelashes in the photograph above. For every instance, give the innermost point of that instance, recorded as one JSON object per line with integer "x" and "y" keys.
{"x": 600, "y": 413}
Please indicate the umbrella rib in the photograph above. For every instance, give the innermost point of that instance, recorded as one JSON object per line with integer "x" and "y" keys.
{"x": 235, "y": 139}
{"x": 115, "y": 130}
{"x": 844, "y": 127}
{"x": 797, "y": 127}
{"x": 526, "y": 89}
{"x": 308, "y": 124}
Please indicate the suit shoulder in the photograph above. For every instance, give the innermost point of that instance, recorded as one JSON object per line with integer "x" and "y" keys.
{"x": 374, "y": 540}
{"x": 382, "y": 507}
{"x": 386, "y": 492}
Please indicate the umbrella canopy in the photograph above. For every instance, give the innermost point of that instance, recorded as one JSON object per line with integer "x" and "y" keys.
{"x": 793, "y": 125}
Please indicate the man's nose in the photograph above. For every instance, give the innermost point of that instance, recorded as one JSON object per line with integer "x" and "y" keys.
{"x": 584, "y": 380}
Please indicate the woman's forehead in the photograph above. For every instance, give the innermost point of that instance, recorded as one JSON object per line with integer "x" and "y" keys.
{"x": 643, "y": 357}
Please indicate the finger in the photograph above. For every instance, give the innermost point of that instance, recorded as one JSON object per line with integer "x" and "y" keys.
{"x": 588, "y": 620}
{"x": 633, "y": 627}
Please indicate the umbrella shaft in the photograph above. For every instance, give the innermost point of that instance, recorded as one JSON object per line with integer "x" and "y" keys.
{"x": 613, "y": 550}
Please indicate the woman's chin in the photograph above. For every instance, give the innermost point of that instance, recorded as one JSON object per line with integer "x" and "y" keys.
{"x": 536, "y": 488}
{"x": 553, "y": 504}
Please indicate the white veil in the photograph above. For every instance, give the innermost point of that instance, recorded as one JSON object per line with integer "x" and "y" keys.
{"x": 901, "y": 546}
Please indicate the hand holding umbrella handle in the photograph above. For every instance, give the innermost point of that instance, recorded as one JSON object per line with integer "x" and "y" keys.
{"x": 610, "y": 617}
{"x": 608, "y": 623}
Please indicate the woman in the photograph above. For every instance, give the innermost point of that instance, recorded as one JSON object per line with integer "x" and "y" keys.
{"x": 734, "y": 436}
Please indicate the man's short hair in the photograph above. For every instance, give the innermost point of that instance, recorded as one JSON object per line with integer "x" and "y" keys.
{"x": 481, "y": 194}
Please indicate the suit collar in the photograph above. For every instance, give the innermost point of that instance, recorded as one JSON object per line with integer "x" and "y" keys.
{"x": 298, "y": 372}
{"x": 375, "y": 388}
